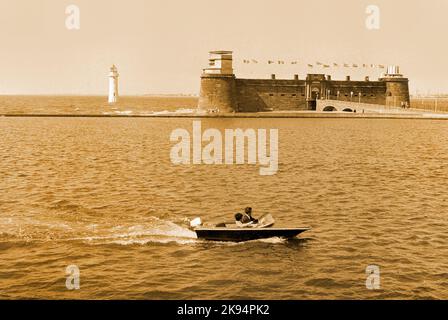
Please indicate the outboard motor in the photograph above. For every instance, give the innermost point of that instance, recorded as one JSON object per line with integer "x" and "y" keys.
{"x": 196, "y": 223}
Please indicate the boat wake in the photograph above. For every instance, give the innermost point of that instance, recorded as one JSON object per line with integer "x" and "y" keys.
{"x": 162, "y": 232}
{"x": 151, "y": 230}
{"x": 156, "y": 230}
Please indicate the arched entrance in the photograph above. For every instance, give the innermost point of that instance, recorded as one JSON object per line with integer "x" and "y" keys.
{"x": 312, "y": 100}
{"x": 329, "y": 109}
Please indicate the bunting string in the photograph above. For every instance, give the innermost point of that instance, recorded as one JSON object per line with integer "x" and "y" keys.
{"x": 317, "y": 64}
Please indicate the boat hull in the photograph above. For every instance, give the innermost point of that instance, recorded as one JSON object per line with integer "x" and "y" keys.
{"x": 247, "y": 234}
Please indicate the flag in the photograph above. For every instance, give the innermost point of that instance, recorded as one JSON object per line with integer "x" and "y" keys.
{"x": 319, "y": 63}
{"x": 326, "y": 66}
{"x": 381, "y": 66}
{"x": 310, "y": 65}
{"x": 355, "y": 65}
{"x": 335, "y": 65}
{"x": 254, "y": 61}
{"x": 346, "y": 65}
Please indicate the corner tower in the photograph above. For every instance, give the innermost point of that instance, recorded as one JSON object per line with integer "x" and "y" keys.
{"x": 218, "y": 83}
{"x": 397, "y": 88}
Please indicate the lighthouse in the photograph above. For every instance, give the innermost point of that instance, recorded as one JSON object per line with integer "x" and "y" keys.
{"x": 113, "y": 85}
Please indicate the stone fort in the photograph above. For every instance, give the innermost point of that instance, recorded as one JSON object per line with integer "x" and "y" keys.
{"x": 221, "y": 90}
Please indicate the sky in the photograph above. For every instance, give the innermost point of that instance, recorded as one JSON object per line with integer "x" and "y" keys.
{"x": 161, "y": 46}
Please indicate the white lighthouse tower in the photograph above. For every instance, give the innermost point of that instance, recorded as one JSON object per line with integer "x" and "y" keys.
{"x": 113, "y": 85}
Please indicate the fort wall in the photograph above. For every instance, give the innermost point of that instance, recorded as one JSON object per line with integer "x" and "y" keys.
{"x": 253, "y": 95}
{"x": 270, "y": 95}
{"x": 221, "y": 90}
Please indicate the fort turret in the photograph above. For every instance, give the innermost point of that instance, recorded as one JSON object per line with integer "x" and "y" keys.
{"x": 218, "y": 83}
{"x": 397, "y": 88}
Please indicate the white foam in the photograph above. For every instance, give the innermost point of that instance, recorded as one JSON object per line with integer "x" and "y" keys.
{"x": 155, "y": 230}
{"x": 274, "y": 240}
{"x": 435, "y": 115}
{"x": 125, "y": 112}
{"x": 179, "y": 111}
{"x": 128, "y": 242}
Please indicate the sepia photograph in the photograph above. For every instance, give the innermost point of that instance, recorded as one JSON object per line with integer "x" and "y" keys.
{"x": 230, "y": 151}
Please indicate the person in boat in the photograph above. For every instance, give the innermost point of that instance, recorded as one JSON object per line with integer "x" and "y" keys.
{"x": 242, "y": 219}
{"x": 248, "y": 212}
{"x": 245, "y": 218}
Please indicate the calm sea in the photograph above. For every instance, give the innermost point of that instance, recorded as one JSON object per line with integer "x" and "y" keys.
{"x": 102, "y": 194}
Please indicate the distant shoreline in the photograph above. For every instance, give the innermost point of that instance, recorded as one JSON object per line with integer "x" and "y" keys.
{"x": 260, "y": 115}
{"x": 63, "y": 95}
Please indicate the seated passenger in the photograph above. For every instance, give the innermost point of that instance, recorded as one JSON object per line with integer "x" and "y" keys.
{"x": 248, "y": 212}
{"x": 242, "y": 219}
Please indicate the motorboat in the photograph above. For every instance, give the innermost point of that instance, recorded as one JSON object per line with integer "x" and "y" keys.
{"x": 238, "y": 232}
